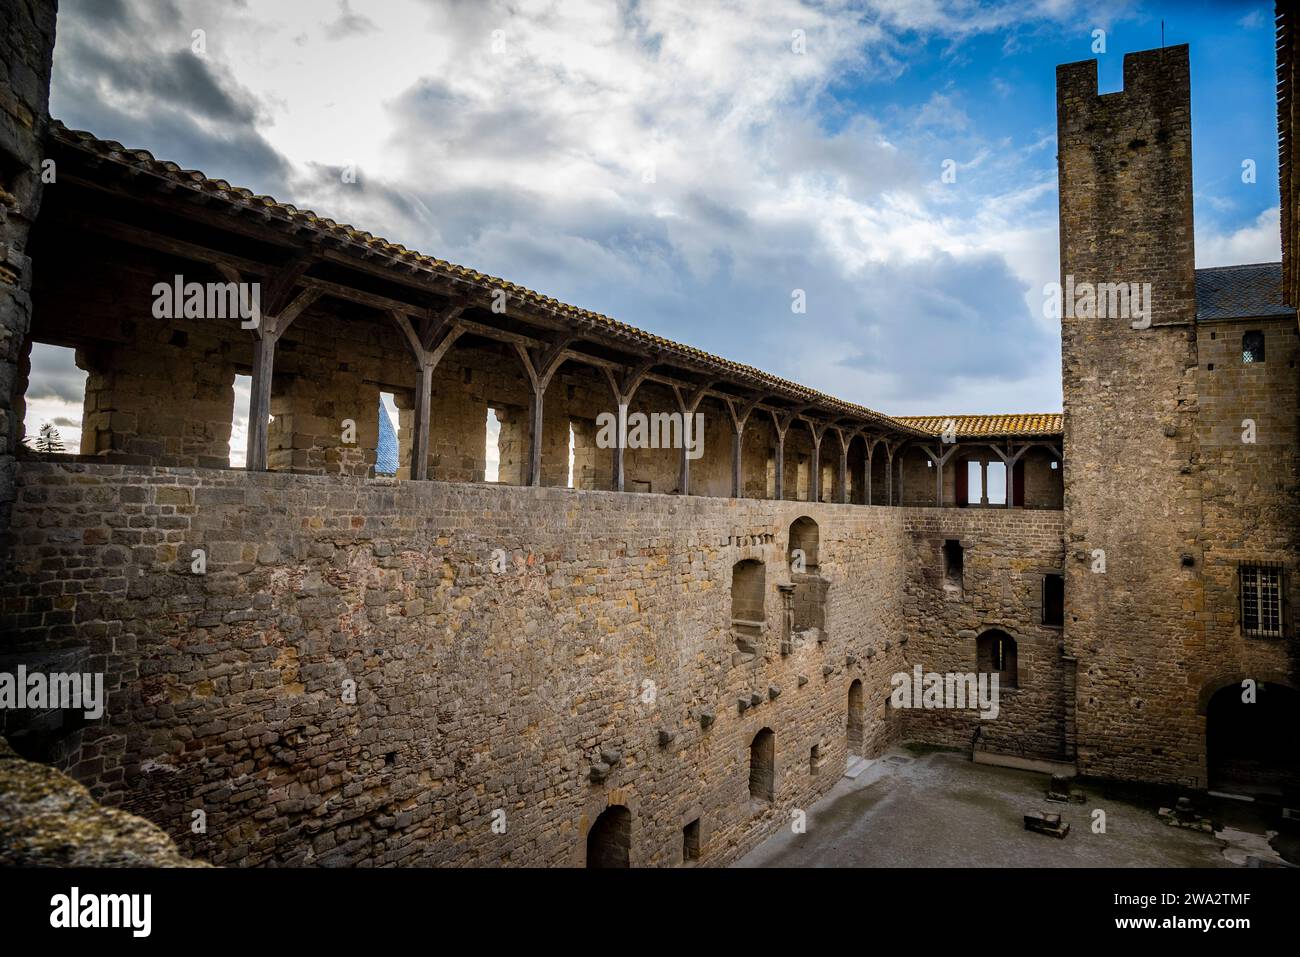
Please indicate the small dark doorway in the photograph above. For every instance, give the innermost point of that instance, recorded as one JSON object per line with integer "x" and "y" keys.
{"x": 855, "y": 722}
{"x": 762, "y": 766}
{"x": 609, "y": 842}
{"x": 1054, "y": 600}
{"x": 1253, "y": 748}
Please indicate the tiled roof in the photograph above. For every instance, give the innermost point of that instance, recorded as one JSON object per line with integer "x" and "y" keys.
{"x": 1240, "y": 292}
{"x": 1030, "y": 424}
{"x": 374, "y": 248}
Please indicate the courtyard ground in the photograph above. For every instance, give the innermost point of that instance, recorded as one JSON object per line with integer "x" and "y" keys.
{"x": 923, "y": 808}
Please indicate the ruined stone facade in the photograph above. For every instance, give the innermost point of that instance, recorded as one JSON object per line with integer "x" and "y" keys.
{"x": 26, "y": 56}
{"x": 548, "y": 669}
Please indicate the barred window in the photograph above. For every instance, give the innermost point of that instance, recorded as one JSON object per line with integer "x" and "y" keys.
{"x": 1252, "y": 347}
{"x": 1261, "y": 601}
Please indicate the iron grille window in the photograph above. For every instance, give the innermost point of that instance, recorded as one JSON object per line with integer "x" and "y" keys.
{"x": 1261, "y": 601}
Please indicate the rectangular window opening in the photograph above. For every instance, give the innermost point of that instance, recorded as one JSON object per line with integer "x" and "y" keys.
{"x": 1261, "y": 601}
{"x": 572, "y": 448}
{"x": 492, "y": 447}
{"x": 386, "y": 452}
{"x": 239, "y": 421}
{"x": 55, "y": 399}
{"x": 997, "y": 483}
{"x": 1054, "y": 600}
{"x": 691, "y": 841}
{"x": 954, "y": 560}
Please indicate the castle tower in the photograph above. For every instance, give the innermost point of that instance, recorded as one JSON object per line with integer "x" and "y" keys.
{"x": 1134, "y": 599}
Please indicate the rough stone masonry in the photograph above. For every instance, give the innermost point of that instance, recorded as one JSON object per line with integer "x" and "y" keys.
{"x": 324, "y": 666}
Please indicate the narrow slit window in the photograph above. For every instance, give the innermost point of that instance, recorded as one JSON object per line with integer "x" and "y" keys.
{"x": 572, "y": 447}
{"x": 386, "y": 456}
{"x": 492, "y": 448}
{"x": 954, "y": 562}
{"x": 1054, "y": 600}
{"x": 239, "y": 421}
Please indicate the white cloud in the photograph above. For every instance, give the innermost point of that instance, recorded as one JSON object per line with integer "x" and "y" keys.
{"x": 514, "y": 137}
{"x": 1257, "y": 242}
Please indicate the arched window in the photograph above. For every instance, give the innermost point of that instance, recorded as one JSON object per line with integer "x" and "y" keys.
{"x": 762, "y": 766}
{"x": 804, "y": 536}
{"x": 609, "y": 842}
{"x": 996, "y": 652}
{"x": 1252, "y": 347}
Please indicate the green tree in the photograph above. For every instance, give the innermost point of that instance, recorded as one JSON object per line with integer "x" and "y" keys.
{"x": 49, "y": 440}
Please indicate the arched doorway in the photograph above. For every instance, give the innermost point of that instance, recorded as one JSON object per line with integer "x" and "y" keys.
{"x": 1252, "y": 747}
{"x": 762, "y": 766}
{"x": 855, "y": 722}
{"x": 804, "y": 539}
{"x": 609, "y": 842}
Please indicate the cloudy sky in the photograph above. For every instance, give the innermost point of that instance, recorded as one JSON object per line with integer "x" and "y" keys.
{"x": 685, "y": 165}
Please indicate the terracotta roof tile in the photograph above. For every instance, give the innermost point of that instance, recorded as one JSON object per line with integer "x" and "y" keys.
{"x": 754, "y": 378}
{"x": 1032, "y": 424}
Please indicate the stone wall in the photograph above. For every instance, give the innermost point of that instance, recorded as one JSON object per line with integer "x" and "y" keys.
{"x": 1158, "y": 483}
{"x": 1005, "y": 555}
{"x": 1130, "y": 407}
{"x": 1250, "y": 495}
{"x": 26, "y": 56}
{"x": 477, "y": 690}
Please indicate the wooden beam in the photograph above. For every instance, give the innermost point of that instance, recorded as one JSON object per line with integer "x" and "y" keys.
{"x": 462, "y": 293}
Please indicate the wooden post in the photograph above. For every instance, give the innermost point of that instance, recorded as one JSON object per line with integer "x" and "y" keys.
{"x": 686, "y": 406}
{"x": 268, "y": 332}
{"x": 815, "y": 480}
{"x": 844, "y": 466}
{"x": 1009, "y": 461}
{"x": 778, "y": 461}
{"x": 539, "y": 368}
{"x": 445, "y": 330}
{"x": 535, "y": 422}
{"x": 781, "y": 423}
{"x": 939, "y": 461}
{"x": 624, "y": 389}
{"x": 259, "y": 402}
{"x": 738, "y": 420}
{"x": 866, "y": 468}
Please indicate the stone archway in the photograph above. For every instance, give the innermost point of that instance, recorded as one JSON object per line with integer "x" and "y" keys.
{"x": 1251, "y": 747}
{"x": 609, "y": 842}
